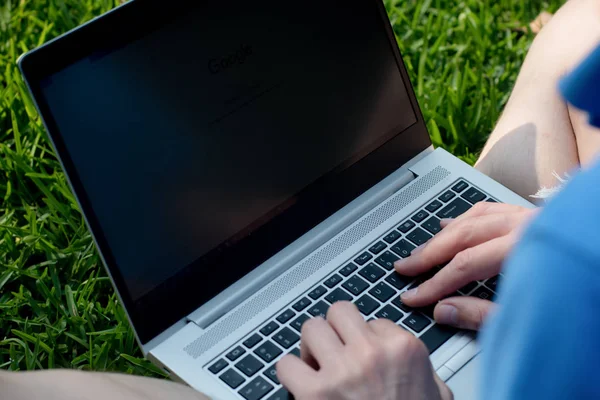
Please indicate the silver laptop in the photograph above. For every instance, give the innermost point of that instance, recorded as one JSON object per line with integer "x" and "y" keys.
{"x": 243, "y": 165}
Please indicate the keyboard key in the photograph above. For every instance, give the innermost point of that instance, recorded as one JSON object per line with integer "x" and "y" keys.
{"x": 389, "y": 312}
{"x": 416, "y": 283}
{"x": 252, "y": 340}
{"x": 490, "y": 200}
{"x": 398, "y": 303}
{"x": 363, "y": 258}
{"x": 271, "y": 373}
{"x": 333, "y": 280}
{"x": 366, "y": 304}
{"x": 249, "y": 365}
{"x": 338, "y": 295}
{"x": 301, "y": 304}
{"x": 267, "y": 351}
{"x": 372, "y": 273}
{"x": 484, "y": 293}
{"x": 269, "y": 328}
{"x": 419, "y": 236}
{"x": 436, "y": 336}
{"x": 406, "y": 226}
{"x": 454, "y": 209}
{"x": 416, "y": 321}
{"x": 386, "y": 260}
{"x": 427, "y": 310}
{"x": 433, "y": 206}
{"x": 468, "y": 288}
{"x": 473, "y": 195}
{"x": 398, "y": 281}
{"x": 295, "y": 351}
{"x": 286, "y": 338}
{"x": 420, "y": 216}
{"x": 460, "y": 186}
{"x": 453, "y": 294}
{"x": 286, "y": 316}
{"x": 281, "y": 394}
{"x": 319, "y": 309}
{"x": 317, "y": 292}
{"x": 492, "y": 283}
{"x": 429, "y": 274}
{"x": 235, "y": 353}
{"x": 218, "y": 366}
{"x": 298, "y": 322}
{"x": 392, "y": 237}
{"x": 232, "y": 378}
{"x": 377, "y": 248}
{"x": 446, "y": 197}
{"x": 382, "y": 292}
{"x": 348, "y": 269}
{"x": 438, "y": 268}
{"x": 256, "y": 390}
{"x": 403, "y": 248}
{"x": 355, "y": 285}
{"x": 432, "y": 225}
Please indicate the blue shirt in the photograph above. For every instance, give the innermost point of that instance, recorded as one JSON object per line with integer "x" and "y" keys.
{"x": 544, "y": 341}
{"x": 582, "y": 86}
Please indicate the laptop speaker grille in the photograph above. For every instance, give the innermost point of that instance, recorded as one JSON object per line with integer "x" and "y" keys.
{"x": 309, "y": 266}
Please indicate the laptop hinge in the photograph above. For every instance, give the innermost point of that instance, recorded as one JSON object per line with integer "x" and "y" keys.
{"x": 294, "y": 253}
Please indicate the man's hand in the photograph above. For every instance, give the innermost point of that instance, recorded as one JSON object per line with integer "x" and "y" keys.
{"x": 477, "y": 243}
{"x": 346, "y": 358}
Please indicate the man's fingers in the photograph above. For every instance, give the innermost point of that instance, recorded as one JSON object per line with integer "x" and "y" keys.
{"x": 458, "y": 236}
{"x": 294, "y": 374}
{"x": 319, "y": 342}
{"x": 445, "y": 222}
{"x": 487, "y": 208}
{"x": 347, "y": 322}
{"x": 385, "y": 328}
{"x": 463, "y": 312}
{"x": 479, "y": 262}
{"x": 445, "y": 392}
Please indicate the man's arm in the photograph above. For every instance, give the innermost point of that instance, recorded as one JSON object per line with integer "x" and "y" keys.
{"x": 79, "y": 385}
{"x": 543, "y": 343}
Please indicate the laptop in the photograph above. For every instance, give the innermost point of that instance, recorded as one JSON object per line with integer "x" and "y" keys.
{"x": 244, "y": 165}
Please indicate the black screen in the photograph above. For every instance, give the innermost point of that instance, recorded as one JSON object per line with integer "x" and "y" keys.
{"x": 193, "y": 136}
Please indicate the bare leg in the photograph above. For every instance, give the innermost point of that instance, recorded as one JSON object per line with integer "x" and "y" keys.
{"x": 78, "y": 385}
{"x": 538, "y": 133}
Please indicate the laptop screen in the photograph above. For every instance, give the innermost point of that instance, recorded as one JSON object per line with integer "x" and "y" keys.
{"x": 195, "y": 135}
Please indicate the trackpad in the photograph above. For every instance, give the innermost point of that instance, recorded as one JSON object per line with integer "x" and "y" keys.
{"x": 464, "y": 383}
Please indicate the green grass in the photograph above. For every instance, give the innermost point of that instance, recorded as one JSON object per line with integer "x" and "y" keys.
{"x": 57, "y": 307}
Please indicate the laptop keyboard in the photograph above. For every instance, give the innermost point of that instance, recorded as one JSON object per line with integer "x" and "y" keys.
{"x": 371, "y": 283}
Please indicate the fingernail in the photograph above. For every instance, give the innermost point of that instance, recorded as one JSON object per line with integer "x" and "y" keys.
{"x": 445, "y": 221}
{"x": 409, "y": 294}
{"x": 400, "y": 263}
{"x": 447, "y": 315}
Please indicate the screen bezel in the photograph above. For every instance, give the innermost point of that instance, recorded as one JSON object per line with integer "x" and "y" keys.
{"x": 180, "y": 295}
